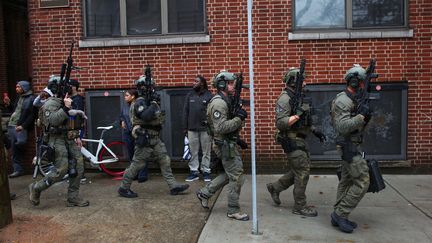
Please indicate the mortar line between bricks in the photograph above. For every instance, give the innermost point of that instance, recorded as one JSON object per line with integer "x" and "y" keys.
{"x": 409, "y": 201}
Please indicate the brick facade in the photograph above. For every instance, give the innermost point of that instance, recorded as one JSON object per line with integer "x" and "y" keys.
{"x": 51, "y": 31}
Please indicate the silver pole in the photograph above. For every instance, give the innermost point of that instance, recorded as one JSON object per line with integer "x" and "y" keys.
{"x": 252, "y": 120}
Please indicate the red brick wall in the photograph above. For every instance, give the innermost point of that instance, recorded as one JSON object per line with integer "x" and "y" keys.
{"x": 175, "y": 64}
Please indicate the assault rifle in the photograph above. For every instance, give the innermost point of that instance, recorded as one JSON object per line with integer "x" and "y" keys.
{"x": 237, "y": 103}
{"x": 145, "y": 86}
{"x": 365, "y": 96}
{"x": 65, "y": 73}
{"x": 297, "y": 100}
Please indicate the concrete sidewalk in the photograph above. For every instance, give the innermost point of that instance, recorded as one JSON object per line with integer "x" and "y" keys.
{"x": 400, "y": 213}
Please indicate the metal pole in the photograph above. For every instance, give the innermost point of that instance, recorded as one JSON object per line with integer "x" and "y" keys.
{"x": 252, "y": 119}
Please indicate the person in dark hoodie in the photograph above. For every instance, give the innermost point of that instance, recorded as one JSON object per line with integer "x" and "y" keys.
{"x": 21, "y": 121}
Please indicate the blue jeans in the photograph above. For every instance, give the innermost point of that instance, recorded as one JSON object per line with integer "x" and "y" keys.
{"x": 18, "y": 141}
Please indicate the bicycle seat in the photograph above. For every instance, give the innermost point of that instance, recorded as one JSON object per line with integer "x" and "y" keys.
{"x": 105, "y": 128}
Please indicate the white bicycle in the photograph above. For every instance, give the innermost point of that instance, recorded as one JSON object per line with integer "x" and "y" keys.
{"x": 107, "y": 156}
{"x": 111, "y": 158}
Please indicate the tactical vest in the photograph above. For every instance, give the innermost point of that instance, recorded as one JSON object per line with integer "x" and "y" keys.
{"x": 52, "y": 105}
{"x": 232, "y": 136}
{"x": 154, "y": 126}
{"x": 301, "y": 127}
{"x": 355, "y": 137}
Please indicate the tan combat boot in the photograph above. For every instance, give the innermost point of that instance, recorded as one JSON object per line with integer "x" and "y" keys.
{"x": 77, "y": 202}
{"x": 34, "y": 194}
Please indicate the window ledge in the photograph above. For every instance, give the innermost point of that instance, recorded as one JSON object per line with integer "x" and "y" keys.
{"x": 134, "y": 41}
{"x": 351, "y": 34}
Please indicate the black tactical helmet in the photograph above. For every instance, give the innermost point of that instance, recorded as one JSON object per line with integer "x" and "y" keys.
{"x": 220, "y": 80}
{"x": 54, "y": 84}
{"x": 354, "y": 75}
{"x": 290, "y": 76}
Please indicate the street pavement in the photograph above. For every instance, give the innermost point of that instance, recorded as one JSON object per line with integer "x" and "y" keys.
{"x": 402, "y": 212}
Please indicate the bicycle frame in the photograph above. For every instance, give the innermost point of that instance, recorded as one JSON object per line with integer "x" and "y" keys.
{"x": 94, "y": 158}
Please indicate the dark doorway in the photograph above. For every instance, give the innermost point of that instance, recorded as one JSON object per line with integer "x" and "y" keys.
{"x": 15, "y": 44}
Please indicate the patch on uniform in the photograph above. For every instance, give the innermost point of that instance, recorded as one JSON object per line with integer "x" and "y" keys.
{"x": 140, "y": 108}
{"x": 47, "y": 113}
{"x": 216, "y": 114}
{"x": 279, "y": 109}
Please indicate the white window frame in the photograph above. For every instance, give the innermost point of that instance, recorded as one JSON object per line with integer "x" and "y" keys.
{"x": 152, "y": 39}
{"x": 349, "y": 32}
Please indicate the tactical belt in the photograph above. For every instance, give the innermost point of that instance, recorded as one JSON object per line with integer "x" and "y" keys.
{"x": 301, "y": 135}
{"x": 151, "y": 127}
{"x": 56, "y": 130}
{"x": 293, "y": 135}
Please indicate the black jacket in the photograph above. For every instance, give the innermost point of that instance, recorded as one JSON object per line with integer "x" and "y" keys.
{"x": 78, "y": 102}
{"x": 195, "y": 110}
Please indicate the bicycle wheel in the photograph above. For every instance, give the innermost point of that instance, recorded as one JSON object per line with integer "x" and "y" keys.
{"x": 116, "y": 168}
{"x": 44, "y": 165}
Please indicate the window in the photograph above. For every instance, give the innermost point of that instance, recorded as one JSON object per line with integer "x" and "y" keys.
{"x": 103, "y": 18}
{"x": 349, "y": 14}
{"x": 116, "y": 18}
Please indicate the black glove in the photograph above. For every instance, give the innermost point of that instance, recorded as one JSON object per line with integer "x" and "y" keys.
{"x": 365, "y": 111}
{"x": 155, "y": 97}
{"x": 242, "y": 114}
{"x": 320, "y": 135}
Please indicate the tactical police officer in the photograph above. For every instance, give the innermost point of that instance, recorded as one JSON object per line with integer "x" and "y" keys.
{"x": 224, "y": 128}
{"x": 147, "y": 119}
{"x": 293, "y": 124}
{"x": 349, "y": 126}
{"x": 62, "y": 149}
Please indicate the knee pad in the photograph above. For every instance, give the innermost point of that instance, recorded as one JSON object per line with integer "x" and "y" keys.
{"x": 48, "y": 181}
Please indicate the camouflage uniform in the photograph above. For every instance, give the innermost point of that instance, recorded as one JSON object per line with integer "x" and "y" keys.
{"x": 225, "y": 148}
{"x": 153, "y": 147}
{"x": 299, "y": 158}
{"x": 354, "y": 182}
{"x": 54, "y": 118}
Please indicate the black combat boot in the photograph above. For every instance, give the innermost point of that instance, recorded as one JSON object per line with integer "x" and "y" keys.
{"x": 352, "y": 223}
{"x": 179, "y": 188}
{"x": 126, "y": 193}
{"x": 274, "y": 194}
{"x": 342, "y": 223}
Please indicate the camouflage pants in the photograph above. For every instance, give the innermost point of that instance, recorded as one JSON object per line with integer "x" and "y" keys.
{"x": 60, "y": 168}
{"x": 232, "y": 175}
{"x": 352, "y": 187}
{"x": 142, "y": 155}
{"x": 298, "y": 175}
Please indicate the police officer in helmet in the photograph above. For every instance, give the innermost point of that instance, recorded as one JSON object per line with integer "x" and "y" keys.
{"x": 147, "y": 119}
{"x": 224, "y": 128}
{"x": 61, "y": 148}
{"x": 293, "y": 127}
{"x": 349, "y": 126}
